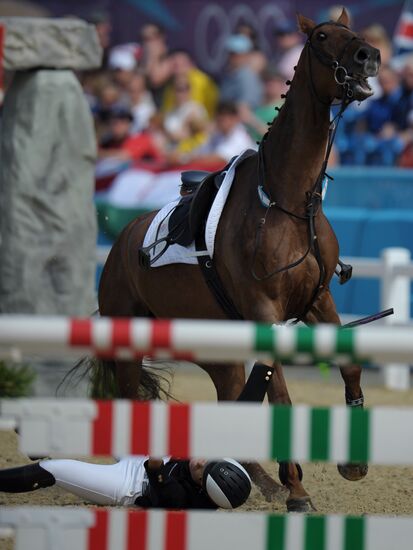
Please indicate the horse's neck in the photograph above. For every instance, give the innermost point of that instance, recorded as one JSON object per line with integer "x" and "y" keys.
{"x": 296, "y": 144}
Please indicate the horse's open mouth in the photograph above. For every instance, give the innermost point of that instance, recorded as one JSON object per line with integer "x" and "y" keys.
{"x": 361, "y": 87}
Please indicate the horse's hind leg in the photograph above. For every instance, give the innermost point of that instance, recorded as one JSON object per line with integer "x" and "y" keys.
{"x": 324, "y": 311}
{"x": 290, "y": 474}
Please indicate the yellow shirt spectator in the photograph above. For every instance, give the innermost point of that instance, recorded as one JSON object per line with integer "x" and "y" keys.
{"x": 203, "y": 90}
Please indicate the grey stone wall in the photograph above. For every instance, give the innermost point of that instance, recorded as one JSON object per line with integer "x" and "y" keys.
{"x": 47, "y": 214}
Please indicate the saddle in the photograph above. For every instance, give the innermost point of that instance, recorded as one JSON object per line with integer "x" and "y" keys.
{"x": 190, "y": 214}
{"x": 187, "y": 221}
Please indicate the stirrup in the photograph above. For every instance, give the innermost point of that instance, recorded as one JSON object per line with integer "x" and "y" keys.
{"x": 144, "y": 258}
{"x": 345, "y": 273}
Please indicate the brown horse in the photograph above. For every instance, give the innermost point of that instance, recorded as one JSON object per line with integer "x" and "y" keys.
{"x": 275, "y": 261}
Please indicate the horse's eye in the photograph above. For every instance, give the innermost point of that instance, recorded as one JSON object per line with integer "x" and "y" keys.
{"x": 321, "y": 36}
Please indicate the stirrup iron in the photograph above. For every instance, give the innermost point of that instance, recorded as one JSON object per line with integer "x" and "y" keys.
{"x": 345, "y": 273}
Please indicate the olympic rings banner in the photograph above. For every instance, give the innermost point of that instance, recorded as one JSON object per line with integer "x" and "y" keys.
{"x": 202, "y": 26}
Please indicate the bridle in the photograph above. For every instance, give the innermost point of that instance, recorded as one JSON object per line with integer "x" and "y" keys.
{"x": 341, "y": 74}
{"x": 314, "y": 197}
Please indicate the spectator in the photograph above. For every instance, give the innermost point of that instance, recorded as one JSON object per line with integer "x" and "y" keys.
{"x": 403, "y": 110}
{"x": 403, "y": 113}
{"x": 155, "y": 60}
{"x": 123, "y": 61}
{"x": 108, "y": 97}
{"x": 229, "y": 138}
{"x": 289, "y": 46}
{"x": 375, "y": 139}
{"x": 202, "y": 88}
{"x": 186, "y": 123}
{"x": 120, "y": 144}
{"x": 101, "y": 20}
{"x": 92, "y": 80}
{"x": 256, "y": 121}
{"x": 256, "y": 58}
{"x": 141, "y": 102}
{"x": 240, "y": 83}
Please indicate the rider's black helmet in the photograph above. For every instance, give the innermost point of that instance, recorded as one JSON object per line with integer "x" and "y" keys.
{"x": 227, "y": 483}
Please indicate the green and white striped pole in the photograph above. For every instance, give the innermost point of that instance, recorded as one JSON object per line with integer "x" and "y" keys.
{"x": 243, "y": 430}
{"x": 202, "y": 340}
{"x": 88, "y": 529}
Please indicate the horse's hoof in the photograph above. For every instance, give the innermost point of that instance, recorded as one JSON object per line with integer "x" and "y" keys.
{"x": 300, "y": 504}
{"x": 353, "y": 472}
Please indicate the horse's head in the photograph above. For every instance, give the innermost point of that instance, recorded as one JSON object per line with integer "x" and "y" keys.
{"x": 340, "y": 61}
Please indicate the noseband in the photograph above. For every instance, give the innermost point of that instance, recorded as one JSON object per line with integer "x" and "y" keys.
{"x": 341, "y": 74}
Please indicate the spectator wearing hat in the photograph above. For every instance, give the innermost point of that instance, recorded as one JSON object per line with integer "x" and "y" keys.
{"x": 123, "y": 60}
{"x": 121, "y": 144}
{"x": 288, "y": 48}
{"x": 202, "y": 88}
{"x": 240, "y": 83}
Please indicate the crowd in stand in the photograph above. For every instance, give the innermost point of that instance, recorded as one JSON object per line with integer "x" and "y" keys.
{"x": 155, "y": 105}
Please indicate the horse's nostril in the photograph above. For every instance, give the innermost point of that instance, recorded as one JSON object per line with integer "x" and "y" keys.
{"x": 362, "y": 55}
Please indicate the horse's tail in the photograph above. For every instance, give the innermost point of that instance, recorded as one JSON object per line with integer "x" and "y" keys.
{"x": 100, "y": 374}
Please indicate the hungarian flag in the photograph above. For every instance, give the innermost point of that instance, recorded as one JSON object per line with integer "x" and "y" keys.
{"x": 403, "y": 34}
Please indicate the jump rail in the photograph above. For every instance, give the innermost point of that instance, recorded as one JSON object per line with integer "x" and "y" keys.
{"x": 84, "y": 427}
{"x": 201, "y": 340}
{"x": 91, "y": 529}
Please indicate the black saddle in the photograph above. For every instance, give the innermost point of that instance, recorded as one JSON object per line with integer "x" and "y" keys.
{"x": 191, "y": 179}
{"x": 192, "y": 210}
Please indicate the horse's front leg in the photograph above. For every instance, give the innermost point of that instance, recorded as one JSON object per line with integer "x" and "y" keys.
{"x": 290, "y": 474}
{"x": 229, "y": 381}
{"x": 324, "y": 311}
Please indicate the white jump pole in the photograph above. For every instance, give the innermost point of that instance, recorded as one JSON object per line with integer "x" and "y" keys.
{"x": 395, "y": 293}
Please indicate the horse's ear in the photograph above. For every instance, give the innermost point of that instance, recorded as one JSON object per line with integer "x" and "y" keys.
{"x": 305, "y": 24}
{"x": 344, "y": 18}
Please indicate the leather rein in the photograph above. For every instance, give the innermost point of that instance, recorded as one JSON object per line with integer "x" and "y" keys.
{"x": 314, "y": 197}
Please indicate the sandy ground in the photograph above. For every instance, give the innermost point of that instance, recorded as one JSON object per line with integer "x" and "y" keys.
{"x": 386, "y": 490}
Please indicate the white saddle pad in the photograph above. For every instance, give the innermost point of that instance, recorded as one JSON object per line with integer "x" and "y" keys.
{"x": 177, "y": 254}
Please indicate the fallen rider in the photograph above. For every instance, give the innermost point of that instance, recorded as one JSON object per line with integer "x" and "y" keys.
{"x": 138, "y": 481}
{"x": 144, "y": 481}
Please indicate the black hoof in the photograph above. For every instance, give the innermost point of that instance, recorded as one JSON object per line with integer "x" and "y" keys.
{"x": 302, "y": 505}
{"x": 353, "y": 472}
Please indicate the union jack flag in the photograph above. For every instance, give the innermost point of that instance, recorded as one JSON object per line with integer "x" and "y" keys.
{"x": 403, "y": 34}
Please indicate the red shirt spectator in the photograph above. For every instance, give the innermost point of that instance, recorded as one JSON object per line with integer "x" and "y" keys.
{"x": 120, "y": 144}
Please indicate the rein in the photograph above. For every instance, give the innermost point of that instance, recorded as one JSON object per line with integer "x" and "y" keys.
{"x": 314, "y": 197}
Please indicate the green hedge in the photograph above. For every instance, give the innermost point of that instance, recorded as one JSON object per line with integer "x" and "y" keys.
{"x": 15, "y": 380}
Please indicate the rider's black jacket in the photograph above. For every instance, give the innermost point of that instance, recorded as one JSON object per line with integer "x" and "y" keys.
{"x": 171, "y": 486}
